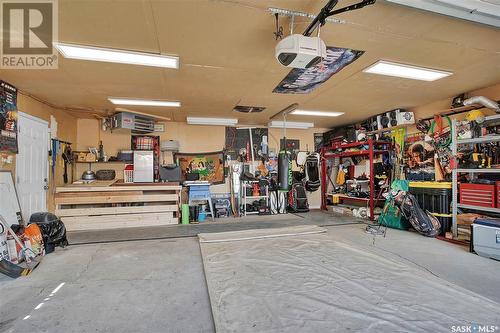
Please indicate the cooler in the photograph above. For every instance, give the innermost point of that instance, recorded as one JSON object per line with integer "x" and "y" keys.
{"x": 486, "y": 237}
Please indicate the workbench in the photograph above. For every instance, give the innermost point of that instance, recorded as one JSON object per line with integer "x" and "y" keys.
{"x": 114, "y": 204}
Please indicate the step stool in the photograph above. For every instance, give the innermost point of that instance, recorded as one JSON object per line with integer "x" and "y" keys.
{"x": 201, "y": 192}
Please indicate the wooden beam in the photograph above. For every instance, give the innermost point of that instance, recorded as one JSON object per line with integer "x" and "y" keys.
{"x": 95, "y": 194}
{"x": 78, "y": 223}
{"x": 118, "y": 188}
{"x": 112, "y": 198}
{"x": 115, "y": 210}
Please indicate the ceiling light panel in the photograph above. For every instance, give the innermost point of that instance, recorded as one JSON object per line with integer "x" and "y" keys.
{"x": 406, "y": 71}
{"x": 143, "y": 102}
{"x": 212, "y": 121}
{"x": 82, "y": 52}
{"x": 290, "y": 124}
{"x": 316, "y": 113}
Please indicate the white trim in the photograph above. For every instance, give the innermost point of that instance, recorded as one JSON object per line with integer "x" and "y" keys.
{"x": 19, "y": 133}
{"x": 25, "y": 115}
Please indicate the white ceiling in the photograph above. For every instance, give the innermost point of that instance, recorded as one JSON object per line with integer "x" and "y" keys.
{"x": 226, "y": 50}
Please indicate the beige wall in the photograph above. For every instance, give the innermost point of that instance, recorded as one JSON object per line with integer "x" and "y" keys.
{"x": 86, "y": 133}
{"x": 67, "y": 128}
{"x": 192, "y": 139}
{"x": 429, "y": 110}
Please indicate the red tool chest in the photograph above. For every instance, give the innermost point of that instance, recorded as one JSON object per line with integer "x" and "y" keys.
{"x": 478, "y": 195}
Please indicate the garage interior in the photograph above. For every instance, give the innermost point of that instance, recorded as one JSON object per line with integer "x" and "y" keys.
{"x": 250, "y": 166}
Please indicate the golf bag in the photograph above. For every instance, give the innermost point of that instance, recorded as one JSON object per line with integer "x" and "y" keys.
{"x": 424, "y": 222}
{"x": 297, "y": 199}
{"x": 311, "y": 169}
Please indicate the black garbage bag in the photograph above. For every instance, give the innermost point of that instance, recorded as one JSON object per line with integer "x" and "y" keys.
{"x": 53, "y": 230}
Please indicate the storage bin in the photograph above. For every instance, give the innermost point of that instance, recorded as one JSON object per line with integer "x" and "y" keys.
{"x": 199, "y": 192}
{"x": 128, "y": 173}
{"x": 436, "y": 198}
{"x": 478, "y": 195}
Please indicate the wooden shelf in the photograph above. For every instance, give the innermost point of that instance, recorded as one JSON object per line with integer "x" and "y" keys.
{"x": 124, "y": 162}
{"x": 343, "y": 196}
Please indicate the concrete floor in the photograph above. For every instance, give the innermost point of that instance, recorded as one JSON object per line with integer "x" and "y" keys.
{"x": 159, "y": 285}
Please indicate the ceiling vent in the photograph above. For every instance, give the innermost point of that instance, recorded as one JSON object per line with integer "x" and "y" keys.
{"x": 248, "y": 109}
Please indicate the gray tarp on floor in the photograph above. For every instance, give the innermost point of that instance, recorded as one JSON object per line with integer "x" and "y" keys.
{"x": 310, "y": 282}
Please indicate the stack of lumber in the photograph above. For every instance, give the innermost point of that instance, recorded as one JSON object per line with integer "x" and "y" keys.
{"x": 111, "y": 207}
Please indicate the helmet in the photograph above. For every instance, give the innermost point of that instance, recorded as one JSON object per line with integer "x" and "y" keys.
{"x": 475, "y": 115}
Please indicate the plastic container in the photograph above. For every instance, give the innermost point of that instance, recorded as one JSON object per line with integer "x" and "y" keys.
{"x": 128, "y": 173}
{"x": 202, "y": 216}
{"x": 436, "y": 198}
{"x": 199, "y": 192}
{"x": 486, "y": 238}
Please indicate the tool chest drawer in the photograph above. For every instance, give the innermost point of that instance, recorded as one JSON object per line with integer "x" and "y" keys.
{"x": 478, "y": 195}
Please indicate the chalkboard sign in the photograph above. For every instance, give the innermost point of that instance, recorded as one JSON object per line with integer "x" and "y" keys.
{"x": 238, "y": 139}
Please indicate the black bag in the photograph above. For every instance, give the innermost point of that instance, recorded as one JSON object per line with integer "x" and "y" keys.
{"x": 297, "y": 199}
{"x": 313, "y": 181}
{"x": 170, "y": 173}
{"x": 52, "y": 228}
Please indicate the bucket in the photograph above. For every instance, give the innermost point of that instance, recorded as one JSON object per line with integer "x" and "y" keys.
{"x": 202, "y": 217}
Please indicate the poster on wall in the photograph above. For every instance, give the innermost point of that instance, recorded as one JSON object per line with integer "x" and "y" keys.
{"x": 303, "y": 81}
{"x": 292, "y": 145}
{"x": 209, "y": 166}
{"x": 8, "y": 118}
{"x": 419, "y": 159}
{"x": 238, "y": 141}
{"x": 318, "y": 142}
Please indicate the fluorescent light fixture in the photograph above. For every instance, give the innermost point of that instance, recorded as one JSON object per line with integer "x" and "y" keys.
{"x": 83, "y": 52}
{"x": 142, "y": 102}
{"x": 316, "y": 113}
{"x": 481, "y": 11}
{"x": 290, "y": 124}
{"x": 212, "y": 121}
{"x": 406, "y": 71}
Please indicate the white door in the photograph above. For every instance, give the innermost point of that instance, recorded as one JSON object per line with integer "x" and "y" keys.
{"x": 32, "y": 164}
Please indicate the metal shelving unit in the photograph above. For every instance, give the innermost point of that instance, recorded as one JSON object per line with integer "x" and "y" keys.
{"x": 454, "y": 145}
{"x": 247, "y": 184}
{"x": 338, "y": 150}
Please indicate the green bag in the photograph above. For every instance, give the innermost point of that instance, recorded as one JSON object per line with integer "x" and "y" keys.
{"x": 391, "y": 215}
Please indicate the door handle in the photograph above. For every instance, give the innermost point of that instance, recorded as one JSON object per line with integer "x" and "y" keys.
{"x": 46, "y": 186}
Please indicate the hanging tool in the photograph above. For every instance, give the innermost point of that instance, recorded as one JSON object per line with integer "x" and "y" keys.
{"x": 279, "y": 29}
{"x": 67, "y": 157}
